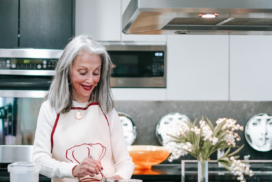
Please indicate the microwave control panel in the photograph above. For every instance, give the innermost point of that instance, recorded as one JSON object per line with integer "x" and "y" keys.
{"x": 27, "y": 64}
{"x": 158, "y": 64}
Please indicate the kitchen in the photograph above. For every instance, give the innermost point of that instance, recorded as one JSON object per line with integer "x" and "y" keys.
{"x": 224, "y": 75}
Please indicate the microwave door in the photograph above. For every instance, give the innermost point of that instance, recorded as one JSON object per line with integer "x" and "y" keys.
{"x": 136, "y": 69}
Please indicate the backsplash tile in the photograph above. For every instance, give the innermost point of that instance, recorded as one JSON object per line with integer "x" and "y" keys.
{"x": 146, "y": 115}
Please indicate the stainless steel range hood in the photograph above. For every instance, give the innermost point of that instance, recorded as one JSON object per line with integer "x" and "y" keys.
{"x": 182, "y": 17}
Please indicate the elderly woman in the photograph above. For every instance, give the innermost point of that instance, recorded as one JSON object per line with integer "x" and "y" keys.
{"x": 78, "y": 131}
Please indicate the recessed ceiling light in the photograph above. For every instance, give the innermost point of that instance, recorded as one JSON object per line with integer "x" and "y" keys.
{"x": 208, "y": 15}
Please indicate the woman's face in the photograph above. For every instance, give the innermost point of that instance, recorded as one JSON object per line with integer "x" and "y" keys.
{"x": 260, "y": 131}
{"x": 85, "y": 75}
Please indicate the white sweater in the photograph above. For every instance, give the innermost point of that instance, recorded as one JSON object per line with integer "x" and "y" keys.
{"x": 56, "y": 169}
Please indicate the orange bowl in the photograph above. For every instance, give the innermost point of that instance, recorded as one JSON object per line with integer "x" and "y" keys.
{"x": 145, "y": 156}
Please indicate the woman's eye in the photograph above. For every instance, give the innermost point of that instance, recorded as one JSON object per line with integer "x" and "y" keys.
{"x": 96, "y": 73}
{"x": 254, "y": 124}
{"x": 83, "y": 73}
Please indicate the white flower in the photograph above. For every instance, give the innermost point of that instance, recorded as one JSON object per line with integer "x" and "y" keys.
{"x": 188, "y": 144}
{"x": 238, "y": 168}
{"x": 230, "y": 139}
{"x": 207, "y": 133}
{"x": 214, "y": 140}
{"x": 220, "y": 120}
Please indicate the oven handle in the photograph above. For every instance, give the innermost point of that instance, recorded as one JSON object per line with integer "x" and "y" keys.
{"x": 28, "y": 72}
{"x": 25, "y": 83}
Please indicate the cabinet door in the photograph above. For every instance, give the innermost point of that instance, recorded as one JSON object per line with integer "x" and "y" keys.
{"x": 250, "y": 68}
{"x": 139, "y": 94}
{"x": 124, "y": 37}
{"x": 99, "y": 19}
{"x": 9, "y": 24}
{"x": 197, "y": 67}
{"x": 46, "y": 23}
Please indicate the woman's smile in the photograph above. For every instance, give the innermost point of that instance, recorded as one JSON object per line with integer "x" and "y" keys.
{"x": 87, "y": 87}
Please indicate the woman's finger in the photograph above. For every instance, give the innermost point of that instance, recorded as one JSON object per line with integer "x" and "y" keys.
{"x": 98, "y": 165}
{"x": 95, "y": 164}
{"x": 90, "y": 160}
{"x": 93, "y": 171}
{"x": 89, "y": 168}
{"x": 90, "y": 173}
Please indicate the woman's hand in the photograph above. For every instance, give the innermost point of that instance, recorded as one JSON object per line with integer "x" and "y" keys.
{"x": 116, "y": 177}
{"x": 88, "y": 166}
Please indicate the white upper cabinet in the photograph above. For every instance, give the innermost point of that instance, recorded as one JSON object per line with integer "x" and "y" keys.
{"x": 197, "y": 67}
{"x": 101, "y": 19}
{"x": 250, "y": 68}
{"x": 124, "y": 37}
{"x": 139, "y": 94}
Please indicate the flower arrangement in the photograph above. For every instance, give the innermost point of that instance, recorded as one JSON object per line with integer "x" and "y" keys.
{"x": 201, "y": 142}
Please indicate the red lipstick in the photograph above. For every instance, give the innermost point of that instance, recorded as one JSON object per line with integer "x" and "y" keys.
{"x": 87, "y": 87}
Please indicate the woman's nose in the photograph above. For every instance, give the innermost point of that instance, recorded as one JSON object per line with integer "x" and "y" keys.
{"x": 264, "y": 128}
{"x": 90, "y": 79}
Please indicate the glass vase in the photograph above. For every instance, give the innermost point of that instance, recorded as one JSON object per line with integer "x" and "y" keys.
{"x": 202, "y": 169}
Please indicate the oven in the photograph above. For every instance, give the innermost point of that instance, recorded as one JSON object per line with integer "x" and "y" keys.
{"x": 25, "y": 77}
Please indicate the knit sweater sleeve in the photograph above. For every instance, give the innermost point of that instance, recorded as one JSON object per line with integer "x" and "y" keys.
{"x": 42, "y": 146}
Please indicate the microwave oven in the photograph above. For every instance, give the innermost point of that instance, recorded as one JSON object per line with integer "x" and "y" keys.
{"x": 138, "y": 66}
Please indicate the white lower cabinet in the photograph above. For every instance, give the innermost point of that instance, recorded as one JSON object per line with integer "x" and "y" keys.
{"x": 250, "y": 68}
{"x": 198, "y": 67}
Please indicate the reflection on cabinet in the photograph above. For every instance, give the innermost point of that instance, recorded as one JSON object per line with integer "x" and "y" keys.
{"x": 36, "y": 24}
{"x": 99, "y": 19}
{"x": 46, "y": 24}
{"x": 9, "y": 24}
{"x": 125, "y": 37}
{"x": 250, "y": 68}
{"x": 197, "y": 67}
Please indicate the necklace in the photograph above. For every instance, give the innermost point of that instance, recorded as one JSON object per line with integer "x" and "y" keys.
{"x": 78, "y": 114}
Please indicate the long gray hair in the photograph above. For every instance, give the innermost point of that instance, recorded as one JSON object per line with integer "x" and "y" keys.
{"x": 60, "y": 92}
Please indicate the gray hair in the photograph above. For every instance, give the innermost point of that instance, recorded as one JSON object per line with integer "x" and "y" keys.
{"x": 60, "y": 92}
